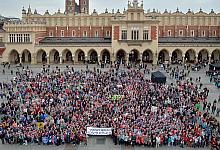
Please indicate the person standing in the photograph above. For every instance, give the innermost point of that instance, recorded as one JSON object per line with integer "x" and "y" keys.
{"x": 157, "y": 141}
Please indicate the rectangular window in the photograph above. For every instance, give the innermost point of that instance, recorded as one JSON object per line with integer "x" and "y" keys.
{"x": 27, "y": 38}
{"x": 203, "y": 33}
{"x": 192, "y": 33}
{"x": 135, "y": 34}
{"x": 138, "y": 16}
{"x": 73, "y": 33}
{"x": 62, "y": 33}
{"x": 181, "y": 33}
{"x": 96, "y": 33}
{"x": 51, "y": 34}
{"x": 214, "y": 33}
{"x": 132, "y": 16}
{"x": 1, "y": 39}
{"x": 124, "y": 34}
{"x": 146, "y": 35}
{"x": 169, "y": 33}
{"x": 84, "y": 33}
{"x": 10, "y": 38}
{"x": 107, "y": 33}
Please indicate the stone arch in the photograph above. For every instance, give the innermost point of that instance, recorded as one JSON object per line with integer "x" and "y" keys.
{"x": 26, "y": 56}
{"x": 105, "y": 56}
{"x": 147, "y": 56}
{"x": 177, "y": 55}
{"x": 54, "y": 56}
{"x": 215, "y": 56}
{"x": 121, "y": 56}
{"x": 93, "y": 56}
{"x": 163, "y": 56}
{"x": 203, "y": 55}
{"x": 41, "y": 56}
{"x": 134, "y": 56}
{"x": 67, "y": 56}
{"x": 14, "y": 56}
{"x": 79, "y": 56}
{"x": 190, "y": 56}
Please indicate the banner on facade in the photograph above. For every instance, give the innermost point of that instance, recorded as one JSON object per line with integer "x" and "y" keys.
{"x": 99, "y": 131}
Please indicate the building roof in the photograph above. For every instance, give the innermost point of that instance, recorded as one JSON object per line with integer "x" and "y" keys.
{"x": 189, "y": 40}
{"x": 72, "y": 40}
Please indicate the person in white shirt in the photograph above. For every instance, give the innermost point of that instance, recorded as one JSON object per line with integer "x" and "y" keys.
{"x": 158, "y": 141}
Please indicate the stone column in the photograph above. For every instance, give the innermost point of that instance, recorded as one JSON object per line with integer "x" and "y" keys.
{"x": 73, "y": 58}
{"x": 61, "y": 59}
{"x": 196, "y": 58}
{"x": 86, "y": 59}
{"x": 99, "y": 58}
{"x": 48, "y": 59}
{"x": 170, "y": 58}
{"x": 141, "y": 58}
{"x": 155, "y": 58}
{"x": 127, "y": 58}
{"x": 113, "y": 58}
{"x": 20, "y": 58}
{"x": 210, "y": 57}
{"x": 183, "y": 59}
{"x": 33, "y": 59}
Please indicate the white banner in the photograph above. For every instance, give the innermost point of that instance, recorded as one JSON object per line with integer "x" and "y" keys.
{"x": 99, "y": 131}
{"x": 154, "y": 109}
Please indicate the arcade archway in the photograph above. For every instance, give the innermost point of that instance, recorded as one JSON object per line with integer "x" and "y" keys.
{"x": 190, "y": 56}
{"x": 54, "y": 56}
{"x": 163, "y": 56}
{"x": 26, "y": 56}
{"x": 176, "y": 56}
{"x": 14, "y": 57}
{"x": 133, "y": 56}
{"x": 120, "y": 56}
{"x": 203, "y": 55}
{"x": 41, "y": 56}
{"x": 147, "y": 56}
{"x": 216, "y": 55}
{"x": 79, "y": 56}
{"x": 93, "y": 57}
{"x": 67, "y": 56}
{"x": 105, "y": 56}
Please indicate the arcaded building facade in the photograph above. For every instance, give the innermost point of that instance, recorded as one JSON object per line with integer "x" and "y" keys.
{"x": 134, "y": 35}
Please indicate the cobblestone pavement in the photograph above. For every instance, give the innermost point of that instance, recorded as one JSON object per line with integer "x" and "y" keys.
{"x": 106, "y": 143}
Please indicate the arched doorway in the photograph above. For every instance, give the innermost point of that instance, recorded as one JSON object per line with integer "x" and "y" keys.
{"x": 41, "y": 56}
{"x": 176, "y": 56}
{"x": 67, "y": 56}
{"x": 134, "y": 56}
{"x": 54, "y": 57}
{"x": 147, "y": 56}
{"x": 203, "y": 56}
{"x": 216, "y": 55}
{"x": 163, "y": 56}
{"x": 93, "y": 57}
{"x": 79, "y": 56}
{"x": 121, "y": 57}
{"x": 14, "y": 57}
{"x": 190, "y": 56}
{"x": 105, "y": 56}
{"x": 26, "y": 56}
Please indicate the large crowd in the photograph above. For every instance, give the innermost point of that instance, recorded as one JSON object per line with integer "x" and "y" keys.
{"x": 56, "y": 107}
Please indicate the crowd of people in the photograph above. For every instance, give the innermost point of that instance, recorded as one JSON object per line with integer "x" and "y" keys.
{"x": 56, "y": 107}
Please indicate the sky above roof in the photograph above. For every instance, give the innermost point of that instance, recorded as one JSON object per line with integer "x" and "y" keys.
{"x": 13, "y": 8}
